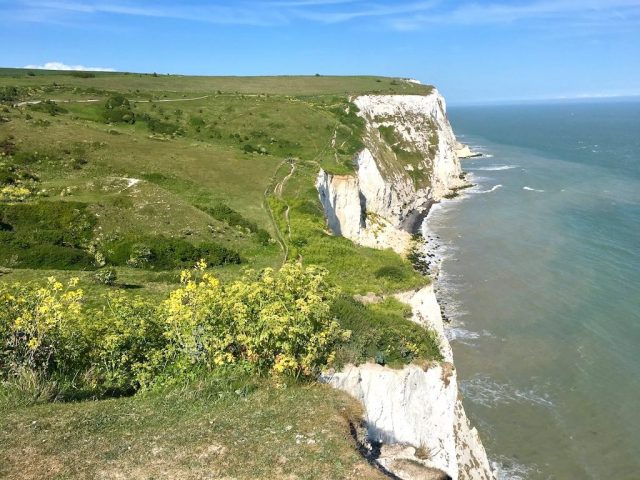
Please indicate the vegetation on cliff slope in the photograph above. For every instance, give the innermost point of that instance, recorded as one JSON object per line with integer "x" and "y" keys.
{"x": 121, "y": 181}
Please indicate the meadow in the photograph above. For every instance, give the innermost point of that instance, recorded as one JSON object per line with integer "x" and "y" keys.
{"x": 123, "y": 181}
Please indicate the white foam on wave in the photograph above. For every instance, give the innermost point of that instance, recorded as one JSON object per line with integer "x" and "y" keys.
{"x": 462, "y": 335}
{"x": 508, "y": 469}
{"x": 492, "y": 189}
{"x": 496, "y": 168}
{"x": 485, "y": 391}
{"x": 530, "y": 189}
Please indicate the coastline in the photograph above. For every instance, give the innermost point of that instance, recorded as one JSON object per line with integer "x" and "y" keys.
{"x": 419, "y": 405}
{"x": 414, "y": 416}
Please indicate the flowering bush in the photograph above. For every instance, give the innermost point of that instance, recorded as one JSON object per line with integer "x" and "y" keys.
{"x": 14, "y": 193}
{"x": 275, "y": 322}
{"x": 127, "y": 341}
{"x": 38, "y": 325}
{"x": 279, "y": 322}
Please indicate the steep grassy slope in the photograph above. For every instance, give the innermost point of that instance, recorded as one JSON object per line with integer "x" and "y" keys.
{"x": 162, "y": 174}
{"x": 146, "y": 174}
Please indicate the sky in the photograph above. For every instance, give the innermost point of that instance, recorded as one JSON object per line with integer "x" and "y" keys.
{"x": 474, "y": 51}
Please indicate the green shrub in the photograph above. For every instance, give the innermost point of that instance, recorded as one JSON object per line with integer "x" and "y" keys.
{"x": 263, "y": 237}
{"x": 164, "y": 253}
{"x": 106, "y": 276}
{"x": 226, "y": 214}
{"x": 140, "y": 256}
{"x": 44, "y": 257}
{"x": 61, "y": 223}
{"x": 48, "y": 106}
{"x": 9, "y": 94}
{"x": 117, "y": 109}
{"x": 83, "y": 74}
{"x": 392, "y": 272}
{"x": 161, "y": 127}
{"x": 46, "y": 235}
{"x": 382, "y": 333}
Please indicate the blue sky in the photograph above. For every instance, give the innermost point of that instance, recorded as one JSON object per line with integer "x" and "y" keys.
{"x": 473, "y": 50}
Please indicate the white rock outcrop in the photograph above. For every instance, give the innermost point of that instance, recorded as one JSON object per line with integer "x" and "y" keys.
{"x": 463, "y": 151}
{"x": 415, "y": 412}
{"x": 418, "y": 407}
{"x": 386, "y": 198}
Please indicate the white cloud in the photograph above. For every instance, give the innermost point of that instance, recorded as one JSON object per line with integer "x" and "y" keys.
{"x": 64, "y": 66}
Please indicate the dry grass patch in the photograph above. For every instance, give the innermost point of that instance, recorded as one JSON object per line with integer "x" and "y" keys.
{"x": 297, "y": 431}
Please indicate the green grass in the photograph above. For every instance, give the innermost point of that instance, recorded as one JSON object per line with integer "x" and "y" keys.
{"x": 222, "y": 427}
{"x": 184, "y": 178}
{"x": 276, "y": 85}
{"x": 383, "y": 333}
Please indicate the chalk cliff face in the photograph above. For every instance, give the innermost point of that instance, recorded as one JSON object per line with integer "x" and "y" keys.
{"x": 408, "y": 162}
{"x": 418, "y": 407}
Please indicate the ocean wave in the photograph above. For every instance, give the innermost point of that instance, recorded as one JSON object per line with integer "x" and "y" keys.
{"x": 485, "y": 391}
{"x": 496, "y": 168}
{"x": 530, "y": 189}
{"x": 508, "y": 469}
{"x": 492, "y": 189}
{"x": 462, "y": 335}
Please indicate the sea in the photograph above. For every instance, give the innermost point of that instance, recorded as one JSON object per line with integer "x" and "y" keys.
{"x": 540, "y": 278}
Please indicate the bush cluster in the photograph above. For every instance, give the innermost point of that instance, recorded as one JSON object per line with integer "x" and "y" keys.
{"x": 117, "y": 109}
{"x": 271, "y": 322}
{"x": 83, "y": 74}
{"x": 382, "y": 332}
{"x": 233, "y": 218}
{"x": 158, "y": 126}
{"x": 162, "y": 253}
{"x": 48, "y": 106}
{"x": 46, "y": 235}
{"x": 9, "y": 94}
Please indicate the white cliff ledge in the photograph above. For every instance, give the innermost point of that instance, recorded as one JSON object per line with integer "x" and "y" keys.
{"x": 409, "y": 162}
{"x": 463, "y": 151}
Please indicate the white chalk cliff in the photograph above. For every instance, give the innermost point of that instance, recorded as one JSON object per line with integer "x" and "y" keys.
{"x": 408, "y": 162}
{"x": 415, "y": 412}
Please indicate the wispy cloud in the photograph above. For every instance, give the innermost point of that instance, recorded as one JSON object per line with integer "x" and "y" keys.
{"x": 238, "y": 13}
{"x": 592, "y": 11}
{"x": 399, "y": 14}
{"x": 364, "y": 10}
{"x": 64, "y": 66}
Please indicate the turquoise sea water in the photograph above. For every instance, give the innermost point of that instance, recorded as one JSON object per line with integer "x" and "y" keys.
{"x": 541, "y": 279}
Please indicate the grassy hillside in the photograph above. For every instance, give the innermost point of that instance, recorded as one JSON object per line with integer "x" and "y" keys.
{"x": 138, "y": 176}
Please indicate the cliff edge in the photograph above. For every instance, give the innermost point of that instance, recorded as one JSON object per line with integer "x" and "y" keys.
{"x": 408, "y": 162}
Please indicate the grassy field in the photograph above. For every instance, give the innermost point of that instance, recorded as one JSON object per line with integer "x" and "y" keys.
{"x": 225, "y": 429}
{"x": 144, "y": 173}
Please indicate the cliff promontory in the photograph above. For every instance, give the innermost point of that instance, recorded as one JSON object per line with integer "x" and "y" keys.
{"x": 408, "y": 162}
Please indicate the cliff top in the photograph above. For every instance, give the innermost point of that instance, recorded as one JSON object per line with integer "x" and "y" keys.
{"x": 272, "y": 85}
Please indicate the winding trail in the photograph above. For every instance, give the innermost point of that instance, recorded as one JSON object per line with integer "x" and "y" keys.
{"x": 277, "y": 191}
{"x": 94, "y": 100}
